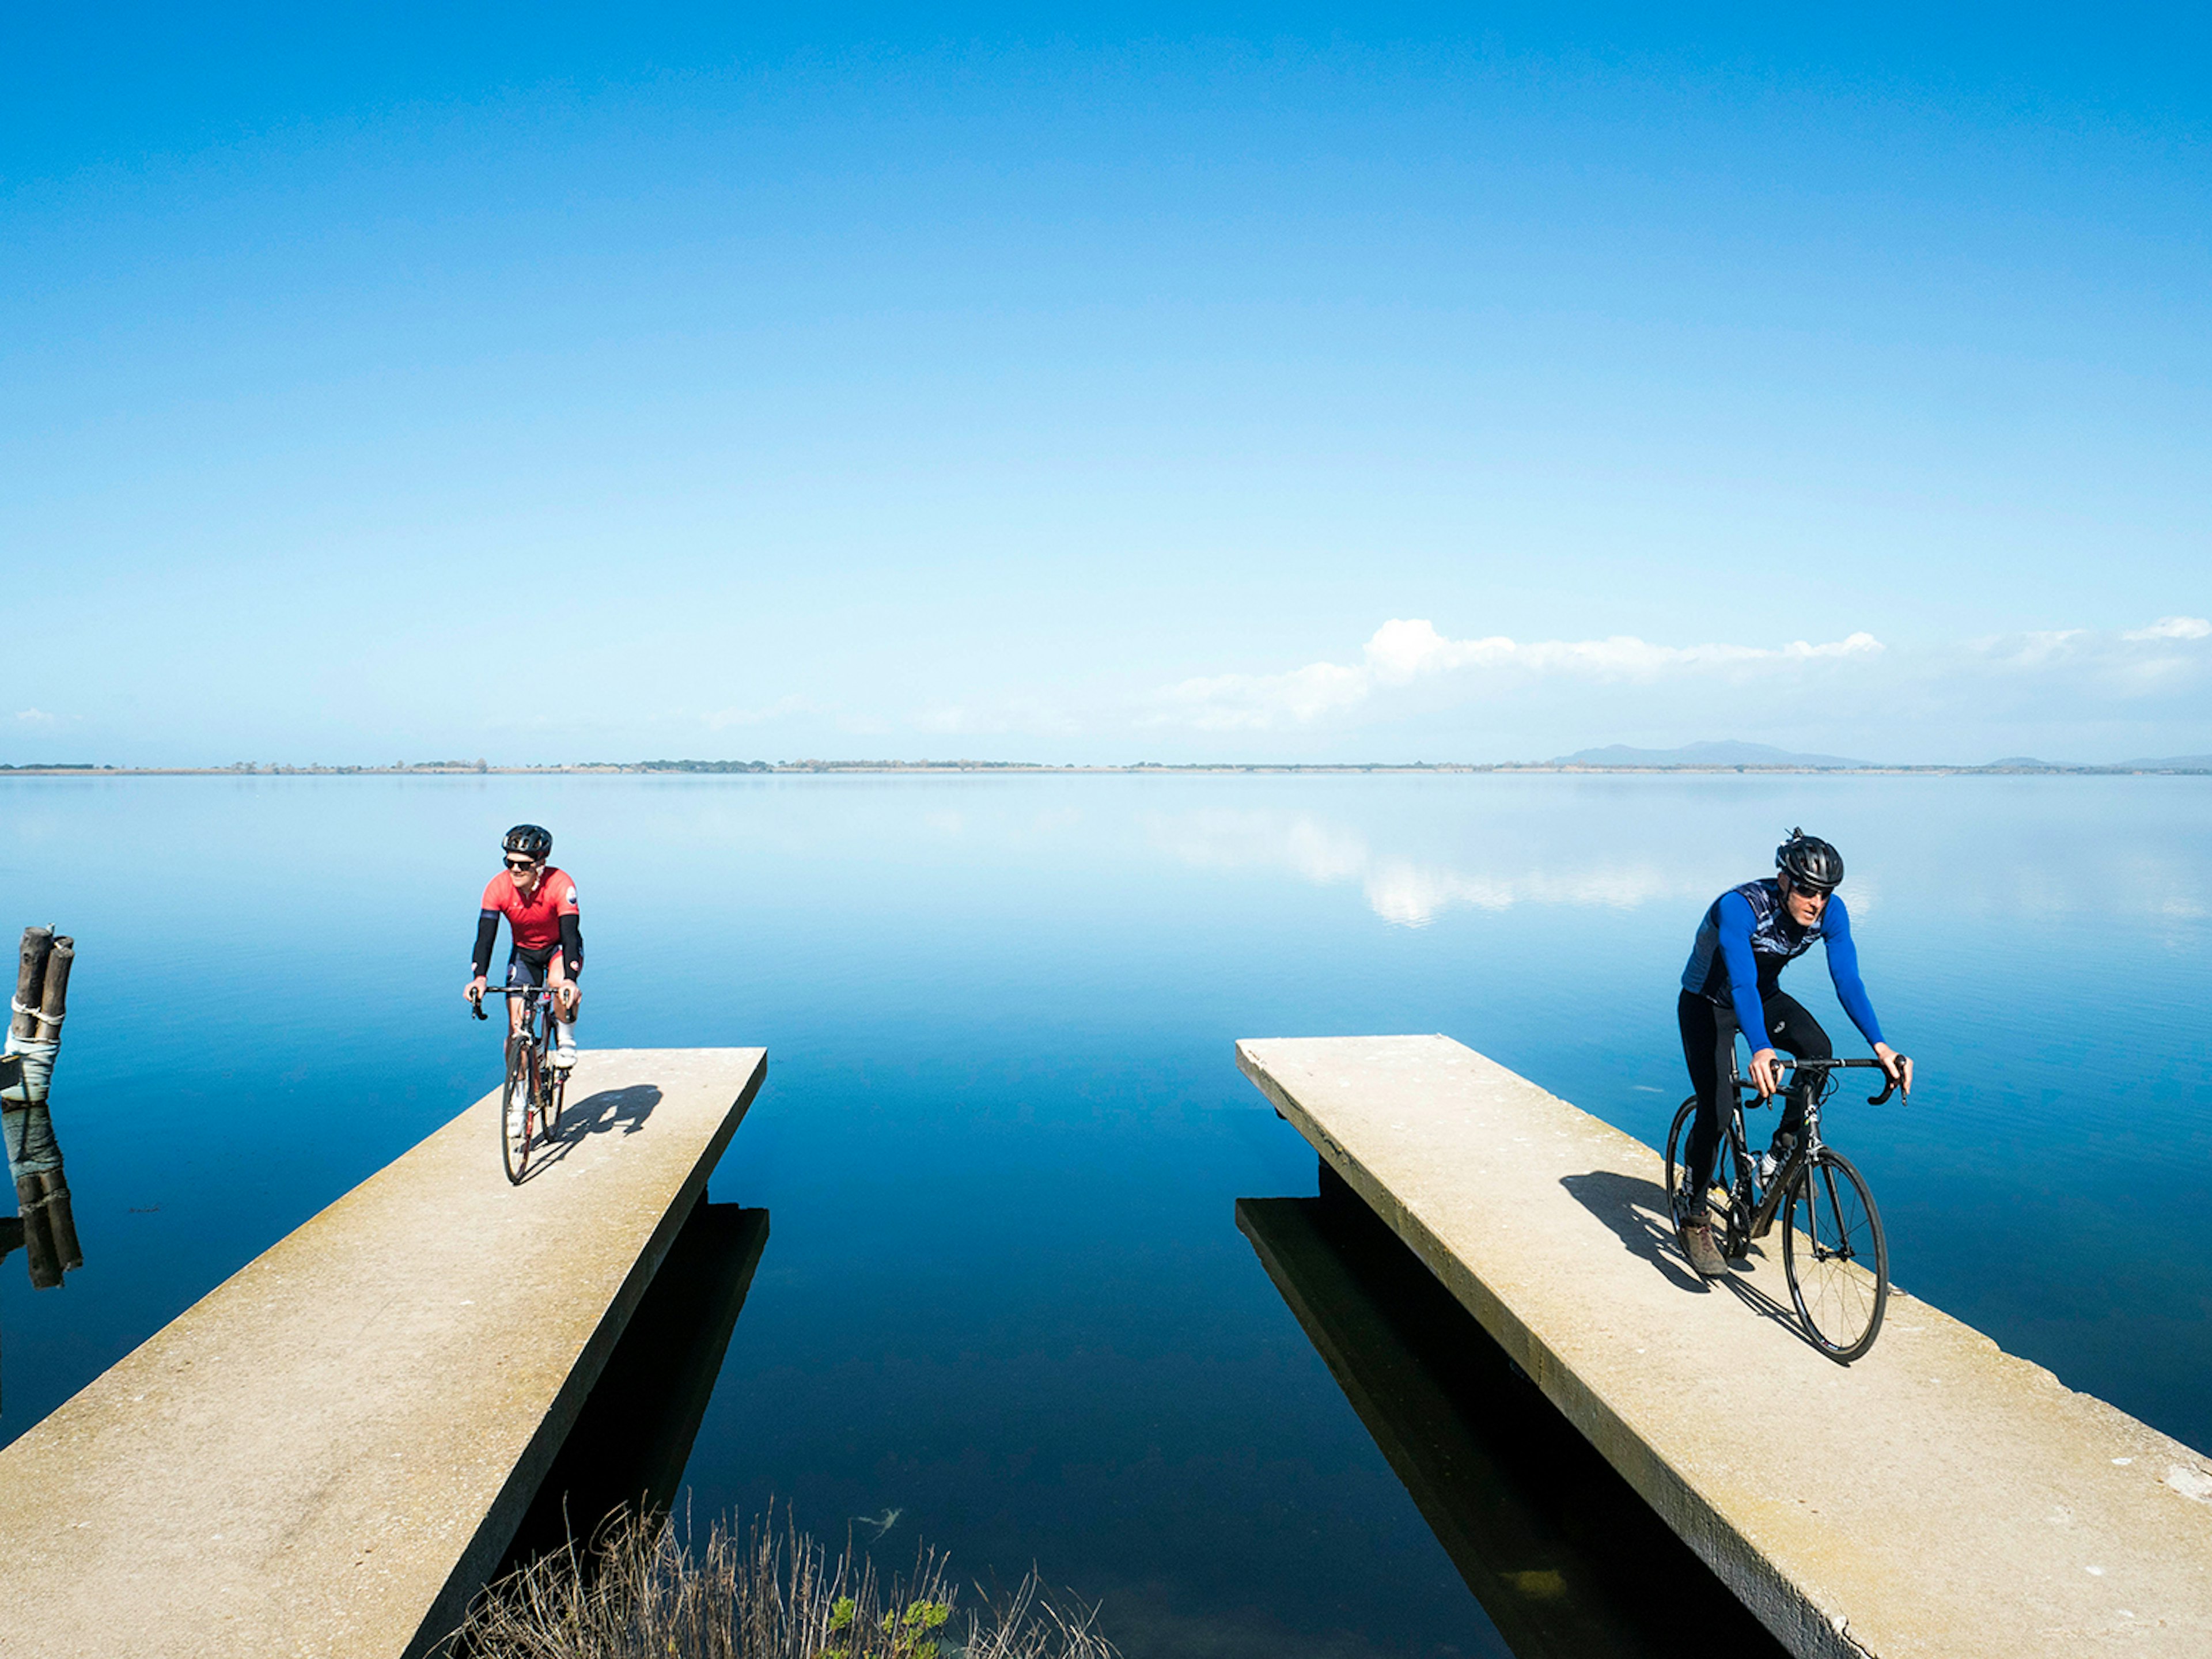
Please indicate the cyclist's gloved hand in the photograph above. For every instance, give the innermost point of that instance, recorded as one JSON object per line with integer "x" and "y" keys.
{"x": 1898, "y": 1065}
{"x": 1766, "y": 1072}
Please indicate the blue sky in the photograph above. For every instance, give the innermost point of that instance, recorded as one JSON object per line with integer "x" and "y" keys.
{"x": 548, "y": 386}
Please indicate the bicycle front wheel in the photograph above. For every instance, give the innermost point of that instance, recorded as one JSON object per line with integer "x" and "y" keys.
{"x": 556, "y": 1089}
{"x": 516, "y": 1097}
{"x": 1836, "y": 1258}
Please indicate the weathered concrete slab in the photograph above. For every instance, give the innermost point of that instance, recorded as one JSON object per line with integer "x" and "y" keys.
{"x": 327, "y": 1453}
{"x": 1939, "y": 1498}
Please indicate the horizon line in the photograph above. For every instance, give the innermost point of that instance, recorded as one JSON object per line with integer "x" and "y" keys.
{"x": 2189, "y": 766}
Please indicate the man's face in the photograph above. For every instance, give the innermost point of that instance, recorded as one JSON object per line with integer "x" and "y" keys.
{"x": 1804, "y": 904}
{"x": 524, "y": 872}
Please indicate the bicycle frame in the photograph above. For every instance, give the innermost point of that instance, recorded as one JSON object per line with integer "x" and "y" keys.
{"x": 1760, "y": 1214}
{"x": 535, "y": 998}
{"x": 541, "y": 1087}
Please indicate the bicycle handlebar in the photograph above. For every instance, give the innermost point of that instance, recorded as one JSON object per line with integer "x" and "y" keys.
{"x": 476, "y": 1003}
{"x": 1889, "y": 1081}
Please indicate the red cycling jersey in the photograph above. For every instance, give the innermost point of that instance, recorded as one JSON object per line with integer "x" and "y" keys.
{"x": 535, "y": 921}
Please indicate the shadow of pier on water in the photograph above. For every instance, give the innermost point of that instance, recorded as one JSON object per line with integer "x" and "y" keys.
{"x": 628, "y": 1450}
{"x": 1565, "y": 1558}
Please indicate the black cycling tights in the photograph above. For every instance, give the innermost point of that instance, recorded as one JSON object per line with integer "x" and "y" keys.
{"x": 1708, "y": 1035}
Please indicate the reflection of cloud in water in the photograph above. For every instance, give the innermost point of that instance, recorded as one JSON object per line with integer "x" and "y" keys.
{"x": 2003, "y": 856}
{"x": 1411, "y": 892}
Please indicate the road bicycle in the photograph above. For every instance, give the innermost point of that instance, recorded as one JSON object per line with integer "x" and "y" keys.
{"x": 531, "y": 1096}
{"x": 1833, "y": 1252}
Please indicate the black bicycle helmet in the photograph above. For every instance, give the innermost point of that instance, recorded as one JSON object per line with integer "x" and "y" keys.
{"x": 529, "y": 839}
{"x": 1809, "y": 862}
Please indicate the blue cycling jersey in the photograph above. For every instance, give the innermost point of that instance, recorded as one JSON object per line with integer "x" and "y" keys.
{"x": 1745, "y": 941}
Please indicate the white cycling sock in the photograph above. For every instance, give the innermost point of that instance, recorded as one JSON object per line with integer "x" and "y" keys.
{"x": 564, "y": 1033}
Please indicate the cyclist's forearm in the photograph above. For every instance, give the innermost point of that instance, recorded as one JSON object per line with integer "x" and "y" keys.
{"x": 572, "y": 944}
{"x": 486, "y": 934}
{"x": 1852, "y": 994}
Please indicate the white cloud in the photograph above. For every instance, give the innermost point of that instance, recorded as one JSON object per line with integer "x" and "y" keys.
{"x": 2174, "y": 628}
{"x": 2030, "y": 650}
{"x": 2089, "y": 669}
{"x": 2061, "y": 693}
{"x": 35, "y": 717}
{"x": 1404, "y": 652}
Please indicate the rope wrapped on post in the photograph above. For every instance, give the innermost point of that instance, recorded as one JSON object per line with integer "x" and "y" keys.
{"x": 31, "y": 1148}
{"x": 34, "y": 1038}
{"x": 27, "y": 1128}
{"x": 37, "y": 1067}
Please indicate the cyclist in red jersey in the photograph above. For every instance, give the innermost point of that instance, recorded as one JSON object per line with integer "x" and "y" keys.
{"x": 539, "y": 903}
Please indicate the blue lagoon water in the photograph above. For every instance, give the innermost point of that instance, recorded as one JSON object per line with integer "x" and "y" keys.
{"x": 1003, "y": 1133}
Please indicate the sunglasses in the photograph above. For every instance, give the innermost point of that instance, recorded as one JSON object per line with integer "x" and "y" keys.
{"x": 522, "y": 864}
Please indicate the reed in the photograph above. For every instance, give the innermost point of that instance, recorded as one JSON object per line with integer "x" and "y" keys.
{"x": 638, "y": 1592}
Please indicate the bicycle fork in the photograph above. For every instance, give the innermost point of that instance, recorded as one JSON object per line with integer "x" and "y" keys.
{"x": 1803, "y": 1156}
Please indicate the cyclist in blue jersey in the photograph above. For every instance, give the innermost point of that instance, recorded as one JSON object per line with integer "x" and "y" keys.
{"x": 1749, "y": 934}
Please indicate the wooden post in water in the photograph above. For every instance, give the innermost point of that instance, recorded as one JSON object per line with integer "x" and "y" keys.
{"x": 53, "y": 1005}
{"x": 53, "y": 994}
{"x": 39, "y": 1243}
{"x": 37, "y": 945}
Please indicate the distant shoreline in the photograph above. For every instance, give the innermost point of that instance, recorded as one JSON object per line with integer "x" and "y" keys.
{"x": 1033, "y": 768}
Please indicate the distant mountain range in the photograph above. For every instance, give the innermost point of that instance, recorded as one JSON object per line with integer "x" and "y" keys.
{"x": 1734, "y": 753}
{"x": 1703, "y": 754}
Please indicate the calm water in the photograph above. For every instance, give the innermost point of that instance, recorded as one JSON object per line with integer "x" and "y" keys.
{"x": 1003, "y": 1133}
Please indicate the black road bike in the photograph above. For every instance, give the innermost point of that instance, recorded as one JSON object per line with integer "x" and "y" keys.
{"x": 1833, "y": 1252}
{"x": 531, "y": 1097}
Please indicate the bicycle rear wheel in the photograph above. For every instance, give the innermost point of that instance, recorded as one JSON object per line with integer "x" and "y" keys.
{"x": 1835, "y": 1256}
{"x": 516, "y": 1097}
{"x": 1721, "y": 1208}
{"x": 1677, "y": 1142}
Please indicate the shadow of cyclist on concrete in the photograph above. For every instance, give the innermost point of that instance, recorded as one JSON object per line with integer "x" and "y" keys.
{"x": 608, "y": 1112}
{"x": 1636, "y": 1213}
{"x": 609, "y": 1109}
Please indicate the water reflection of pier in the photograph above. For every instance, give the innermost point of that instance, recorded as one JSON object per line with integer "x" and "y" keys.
{"x": 1565, "y": 1558}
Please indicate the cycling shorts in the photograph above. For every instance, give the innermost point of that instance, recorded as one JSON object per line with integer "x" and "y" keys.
{"x": 527, "y": 967}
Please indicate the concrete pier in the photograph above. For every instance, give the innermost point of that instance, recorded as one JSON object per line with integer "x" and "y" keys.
{"x": 1938, "y": 1497}
{"x": 329, "y": 1452}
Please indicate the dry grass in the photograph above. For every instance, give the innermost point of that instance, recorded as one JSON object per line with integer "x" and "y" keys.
{"x": 637, "y": 1593}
